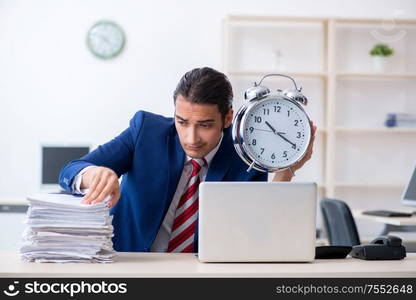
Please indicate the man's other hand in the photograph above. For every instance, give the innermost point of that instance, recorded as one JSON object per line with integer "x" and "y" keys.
{"x": 286, "y": 175}
{"x": 309, "y": 150}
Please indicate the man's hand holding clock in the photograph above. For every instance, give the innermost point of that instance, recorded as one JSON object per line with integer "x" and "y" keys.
{"x": 286, "y": 175}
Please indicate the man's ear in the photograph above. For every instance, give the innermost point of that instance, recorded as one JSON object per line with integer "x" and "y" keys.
{"x": 228, "y": 118}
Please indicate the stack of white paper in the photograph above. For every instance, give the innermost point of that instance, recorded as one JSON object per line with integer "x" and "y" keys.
{"x": 61, "y": 229}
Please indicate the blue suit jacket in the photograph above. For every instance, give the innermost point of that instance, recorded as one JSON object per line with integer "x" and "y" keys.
{"x": 150, "y": 157}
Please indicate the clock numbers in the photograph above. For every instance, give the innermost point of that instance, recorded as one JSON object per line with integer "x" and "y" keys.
{"x": 254, "y": 142}
{"x": 273, "y": 156}
{"x": 284, "y": 153}
{"x": 296, "y": 122}
{"x": 298, "y": 135}
{"x": 251, "y": 129}
{"x": 262, "y": 150}
{"x": 277, "y": 108}
{"x": 257, "y": 119}
{"x": 266, "y": 111}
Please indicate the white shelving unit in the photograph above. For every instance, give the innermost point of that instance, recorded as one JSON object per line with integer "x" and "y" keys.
{"x": 356, "y": 158}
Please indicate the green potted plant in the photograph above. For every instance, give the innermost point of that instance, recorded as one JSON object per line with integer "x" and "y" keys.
{"x": 380, "y": 52}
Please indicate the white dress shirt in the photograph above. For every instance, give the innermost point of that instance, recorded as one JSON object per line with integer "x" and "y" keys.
{"x": 161, "y": 242}
{"x": 163, "y": 236}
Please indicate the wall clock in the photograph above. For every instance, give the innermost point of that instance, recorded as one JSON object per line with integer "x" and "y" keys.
{"x": 106, "y": 39}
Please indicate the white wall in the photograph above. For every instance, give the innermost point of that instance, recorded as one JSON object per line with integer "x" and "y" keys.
{"x": 53, "y": 91}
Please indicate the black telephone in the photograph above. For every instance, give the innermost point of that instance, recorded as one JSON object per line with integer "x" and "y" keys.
{"x": 382, "y": 248}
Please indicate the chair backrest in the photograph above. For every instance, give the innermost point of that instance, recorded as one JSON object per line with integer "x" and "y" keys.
{"x": 339, "y": 223}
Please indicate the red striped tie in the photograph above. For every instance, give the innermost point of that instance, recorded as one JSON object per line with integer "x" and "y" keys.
{"x": 186, "y": 216}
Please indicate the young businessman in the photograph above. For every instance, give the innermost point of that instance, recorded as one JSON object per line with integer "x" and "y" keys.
{"x": 162, "y": 161}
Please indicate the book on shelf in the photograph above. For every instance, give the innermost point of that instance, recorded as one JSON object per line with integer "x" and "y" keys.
{"x": 401, "y": 120}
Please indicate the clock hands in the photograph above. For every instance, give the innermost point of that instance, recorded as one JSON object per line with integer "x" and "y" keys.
{"x": 104, "y": 38}
{"x": 279, "y": 134}
{"x": 267, "y": 130}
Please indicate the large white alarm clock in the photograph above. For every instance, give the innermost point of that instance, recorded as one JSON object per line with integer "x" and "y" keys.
{"x": 272, "y": 131}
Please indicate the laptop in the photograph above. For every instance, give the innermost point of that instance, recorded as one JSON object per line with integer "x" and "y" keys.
{"x": 409, "y": 193}
{"x": 408, "y": 199}
{"x": 257, "y": 222}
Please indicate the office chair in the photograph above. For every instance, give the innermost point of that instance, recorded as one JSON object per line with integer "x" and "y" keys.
{"x": 339, "y": 223}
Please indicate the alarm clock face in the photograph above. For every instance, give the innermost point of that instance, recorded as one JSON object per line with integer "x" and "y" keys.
{"x": 276, "y": 132}
{"x": 105, "y": 39}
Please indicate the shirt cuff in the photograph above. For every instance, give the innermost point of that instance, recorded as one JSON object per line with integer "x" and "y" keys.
{"x": 76, "y": 186}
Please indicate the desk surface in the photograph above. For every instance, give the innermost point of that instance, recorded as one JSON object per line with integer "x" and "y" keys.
{"x": 187, "y": 265}
{"x": 399, "y": 221}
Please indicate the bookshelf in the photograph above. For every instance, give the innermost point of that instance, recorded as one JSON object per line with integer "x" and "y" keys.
{"x": 356, "y": 158}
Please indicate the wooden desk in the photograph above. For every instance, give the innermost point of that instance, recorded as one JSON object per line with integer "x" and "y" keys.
{"x": 187, "y": 265}
{"x": 391, "y": 223}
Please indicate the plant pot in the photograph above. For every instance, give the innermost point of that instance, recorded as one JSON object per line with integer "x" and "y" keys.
{"x": 379, "y": 63}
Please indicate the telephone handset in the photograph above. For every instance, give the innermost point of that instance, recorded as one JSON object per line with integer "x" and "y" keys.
{"x": 382, "y": 248}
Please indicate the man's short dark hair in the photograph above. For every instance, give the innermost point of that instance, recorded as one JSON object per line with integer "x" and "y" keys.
{"x": 206, "y": 86}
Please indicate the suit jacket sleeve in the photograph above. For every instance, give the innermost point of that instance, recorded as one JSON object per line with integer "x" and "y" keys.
{"x": 117, "y": 154}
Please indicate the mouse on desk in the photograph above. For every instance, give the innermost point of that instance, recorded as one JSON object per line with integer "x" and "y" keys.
{"x": 386, "y": 247}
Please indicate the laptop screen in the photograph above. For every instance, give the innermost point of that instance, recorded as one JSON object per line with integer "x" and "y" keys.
{"x": 409, "y": 196}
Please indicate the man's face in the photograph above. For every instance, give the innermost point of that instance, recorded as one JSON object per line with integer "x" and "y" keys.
{"x": 199, "y": 126}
